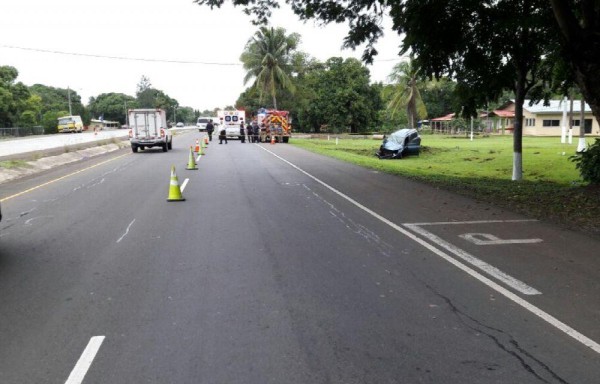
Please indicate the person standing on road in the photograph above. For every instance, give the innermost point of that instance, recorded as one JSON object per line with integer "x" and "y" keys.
{"x": 222, "y": 136}
{"x": 210, "y": 129}
{"x": 242, "y": 132}
{"x": 254, "y": 130}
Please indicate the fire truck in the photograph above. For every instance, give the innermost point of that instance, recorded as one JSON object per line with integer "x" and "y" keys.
{"x": 277, "y": 124}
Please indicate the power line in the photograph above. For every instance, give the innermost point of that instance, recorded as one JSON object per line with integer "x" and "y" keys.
{"x": 145, "y": 59}
{"x": 117, "y": 57}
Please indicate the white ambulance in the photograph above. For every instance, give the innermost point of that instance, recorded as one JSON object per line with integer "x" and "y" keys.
{"x": 231, "y": 121}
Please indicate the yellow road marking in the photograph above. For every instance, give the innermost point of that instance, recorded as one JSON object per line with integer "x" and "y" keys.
{"x": 60, "y": 178}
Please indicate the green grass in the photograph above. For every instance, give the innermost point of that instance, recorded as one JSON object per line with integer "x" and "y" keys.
{"x": 551, "y": 189}
{"x": 10, "y": 164}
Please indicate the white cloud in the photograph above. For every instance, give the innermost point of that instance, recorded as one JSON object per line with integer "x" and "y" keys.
{"x": 177, "y": 30}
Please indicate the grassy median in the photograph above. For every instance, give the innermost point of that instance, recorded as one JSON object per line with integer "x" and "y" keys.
{"x": 551, "y": 188}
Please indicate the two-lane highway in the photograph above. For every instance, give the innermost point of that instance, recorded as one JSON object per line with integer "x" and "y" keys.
{"x": 282, "y": 266}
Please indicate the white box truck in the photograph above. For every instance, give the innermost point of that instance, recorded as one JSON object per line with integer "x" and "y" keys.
{"x": 148, "y": 128}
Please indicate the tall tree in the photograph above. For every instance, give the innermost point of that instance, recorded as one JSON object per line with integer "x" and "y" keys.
{"x": 111, "y": 106}
{"x": 143, "y": 85}
{"x": 405, "y": 77}
{"x": 13, "y": 96}
{"x": 342, "y": 97}
{"x": 579, "y": 25}
{"x": 438, "y": 97}
{"x": 487, "y": 46}
{"x": 57, "y": 99}
{"x": 267, "y": 59}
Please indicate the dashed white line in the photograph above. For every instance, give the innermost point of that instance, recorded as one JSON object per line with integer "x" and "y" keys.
{"x": 475, "y": 222}
{"x": 85, "y": 361}
{"x": 184, "y": 184}
{"x": 581, "y": 338}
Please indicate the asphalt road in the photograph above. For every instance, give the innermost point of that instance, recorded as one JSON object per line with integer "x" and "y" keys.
{"x": 282, "y": 266}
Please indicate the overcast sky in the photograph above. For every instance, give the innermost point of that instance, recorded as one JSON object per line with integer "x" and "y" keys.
{"x": 203, "y": 45}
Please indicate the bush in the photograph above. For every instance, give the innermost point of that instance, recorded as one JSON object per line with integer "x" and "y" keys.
{"x": 588, "y": 163}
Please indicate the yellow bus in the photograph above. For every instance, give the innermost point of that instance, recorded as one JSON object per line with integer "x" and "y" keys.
{"x": 70, "y": 124}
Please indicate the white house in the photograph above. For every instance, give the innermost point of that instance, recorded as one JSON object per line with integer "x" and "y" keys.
{"x": 546, "y": 120}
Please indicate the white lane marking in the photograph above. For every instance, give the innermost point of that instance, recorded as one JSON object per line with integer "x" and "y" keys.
{"x": 198, "y": 158}
{"x": 489, "y": 239}
{"x": 489, "y": 269}
{"x": 476, "y": 222}
{"x": 85, "y": 361}
{"x": 126, "y": 231}
{"x": 96, "y": 184}
{"x": 184, "y": 184}
{"x": 581, "y": 338}
{"x": 60, "y": 178}
{"x": 29, "y": 221}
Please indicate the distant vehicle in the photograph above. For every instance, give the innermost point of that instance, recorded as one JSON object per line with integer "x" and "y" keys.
{"x": 70, "y": 124}
{"x": 202, "y": 121}
{"x": 149, "y": 129}
{"x": 401, "y": 143}
{"x": 179, "y": 125}
{"x": 231, "y": 121}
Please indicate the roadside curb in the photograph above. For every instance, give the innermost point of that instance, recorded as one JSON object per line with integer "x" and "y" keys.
{"x": 49, "y": 161}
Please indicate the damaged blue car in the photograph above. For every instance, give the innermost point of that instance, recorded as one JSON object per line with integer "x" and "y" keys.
{"x": 401, "y": 143}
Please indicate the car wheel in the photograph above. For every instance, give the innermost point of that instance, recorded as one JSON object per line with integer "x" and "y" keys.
{"x": 164, "y": 147}
{"x": 170, "y": 144}
{"x": 134, "y": 148}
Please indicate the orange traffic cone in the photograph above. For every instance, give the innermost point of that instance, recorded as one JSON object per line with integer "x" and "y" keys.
{"x": 174, "y": 190}
{"x": 206, "y": 140}
{"x": 272, "y": 139}
{"x": 197, "y": 146}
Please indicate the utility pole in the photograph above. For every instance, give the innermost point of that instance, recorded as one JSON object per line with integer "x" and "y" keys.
{"x": 69, "y": 96}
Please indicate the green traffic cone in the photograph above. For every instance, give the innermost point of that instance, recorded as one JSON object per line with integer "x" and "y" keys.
{"x": 191, "y": 162}
{"x": 174, "y": 190}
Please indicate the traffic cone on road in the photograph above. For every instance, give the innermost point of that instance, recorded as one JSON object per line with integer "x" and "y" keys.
{"x": 206, "y": 140}
{"x": 272, "y": 139}
{"x": 202, "y": 146}
{"x": 197, "y": 146}
{"x": 174, "y": 190}
{"x": 191, "y": 162}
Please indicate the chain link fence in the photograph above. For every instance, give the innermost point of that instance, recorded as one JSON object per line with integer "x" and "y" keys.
{"x": 20, "y": 132}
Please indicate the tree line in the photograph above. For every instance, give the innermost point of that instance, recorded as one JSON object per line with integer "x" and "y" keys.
{"x": 41, "y": 105}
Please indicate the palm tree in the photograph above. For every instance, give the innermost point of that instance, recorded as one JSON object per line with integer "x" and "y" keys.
{"x": 406, "y": 93}
{"x": 267, "y": 59}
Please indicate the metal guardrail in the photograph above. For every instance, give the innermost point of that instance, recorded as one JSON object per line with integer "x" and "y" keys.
{"x": 20, "y": 132}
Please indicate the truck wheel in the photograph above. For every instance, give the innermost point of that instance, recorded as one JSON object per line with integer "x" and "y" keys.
{"x": 170, "y": 144}
{"x": 165, "y": 148}
{"x": 134, "y": 148}
{"x": 286, "y": 139}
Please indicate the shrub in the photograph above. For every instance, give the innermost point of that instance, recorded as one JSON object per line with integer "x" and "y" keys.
{"x": 588, "y": 163}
